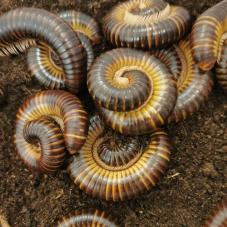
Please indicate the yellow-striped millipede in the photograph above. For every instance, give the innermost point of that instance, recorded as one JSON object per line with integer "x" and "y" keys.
{"x": 146, "y": 24}
{"x": 41, "y": 61}
{"x": 218, "y": 217}
{"x": 193, "y": 85}
{"x": 88, "y": 218}
{"x": 208, "y": 35}
{"x": 32, "y": 23}
{"x": 115, "y": 167}
{"x": 134, "y": 91}
{"x": 47, "y": 124}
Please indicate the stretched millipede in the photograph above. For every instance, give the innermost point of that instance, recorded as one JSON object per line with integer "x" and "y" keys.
{"x": 31, "y": 23}
{"x": 88, "y": 218}
{"x": 218, "y": 217}
{"x": 48, "y": 123}
{"x": 42, "y": 61}
{"x": 115, "y": 167}
{"x": 134, "y": 91}
{"x": 208, "y": 35}
{"x": 146, "y": 24}
{"x": 193, "y": 85}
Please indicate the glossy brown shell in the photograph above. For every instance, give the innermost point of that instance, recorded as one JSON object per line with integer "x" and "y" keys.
{"x": 40, "y": 59}
{"x": 221, "y": 66}
{"x": 48, "y": 123}
{"x": 87, "y": 218}
{"x": 193, "y": 85}
{"x": 32, "y": 23}
{"x": 114, "y": 167}
{"x": 218, "y": 217}
{"x": 208, "y": 33}
{"x": 145, "y": 24}
{"x": 133, "y": 90}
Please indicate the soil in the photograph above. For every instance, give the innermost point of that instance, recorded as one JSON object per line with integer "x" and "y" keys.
{"x": 194, "y": 183}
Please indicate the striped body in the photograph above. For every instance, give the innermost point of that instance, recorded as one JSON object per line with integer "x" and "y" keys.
{"x": 41, "y": 141}
{"x": 218, "y": 218}
{"x": 146, "y": 24}
{"x": 31, "y": 23}
{"x": 133, "y": 90}
{"x": 114, "y": 167}
{"x": 221, "y": 67}
{"x": 193, "y": 85}
{"x": 87, "y": 218}
{"x": 40, "y": 61}
{"x": 207, "y": 35}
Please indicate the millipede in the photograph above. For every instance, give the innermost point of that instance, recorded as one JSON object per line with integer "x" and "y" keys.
{"x": 116, "y": 167}
{"x": 47, "y": 124}
{"x": 218, "y": 217}
{"x": 208, "y": 35}
{"x": 31, "y": 23}
{"x": 193, "y": 85}
{"x": 134, "y": 91}
{"x": 43, "y": 62}
{"x": 146, "y": 24}
{"x": 88, "y": 218}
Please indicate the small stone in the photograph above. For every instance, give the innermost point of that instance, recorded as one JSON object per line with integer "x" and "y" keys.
{"x": 209, "y": 170}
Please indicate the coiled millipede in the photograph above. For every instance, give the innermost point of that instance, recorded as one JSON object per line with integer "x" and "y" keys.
{"x": 193, "y": 85}
{"x": 48, "y": 123}
{"x": 218, "y": 218}
{"x": 88, "y": 218}
{"x": 31, "y": 23}
{"x": 134, "y": 91}
{"x": 146, "y": 24}
{"x": 208, "y": 35}
{"x": 42, "y": 61}
{"x": 115, "y": 167}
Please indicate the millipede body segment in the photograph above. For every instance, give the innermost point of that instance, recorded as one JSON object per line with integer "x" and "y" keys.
{"x": 42, "y": 60}
{"x": 146, "y": 24}
{"x": 134, "y": 91}
{"x": 88, "y": 218}
{"x": 31, "y": 23}
{"x": 218, "y": 217}
{"x": 47, "y": 124}
{"x": 114, "y": 167}
{"x": 193, "y": 85}
{"x": 208, "y": 35}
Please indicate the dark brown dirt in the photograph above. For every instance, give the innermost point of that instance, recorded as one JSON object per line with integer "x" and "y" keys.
{"x": 194, "y": 183}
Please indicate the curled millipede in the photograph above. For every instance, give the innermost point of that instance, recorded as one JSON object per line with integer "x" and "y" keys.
{"x": 42, "y": 61}
{"x": 46, "y": 124}
{"x": 31, "y": 23}
{"x": 218, "y": 218}
{"x": 208, "y": 34}
{"x": 193, "y": 85}
{"x": 146, "y": 24}
{"x": 88, "y": 218}
{"x": 221, "y": 67}
{"x": 115, "y": 167}
{"x": 134, "y": 91}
